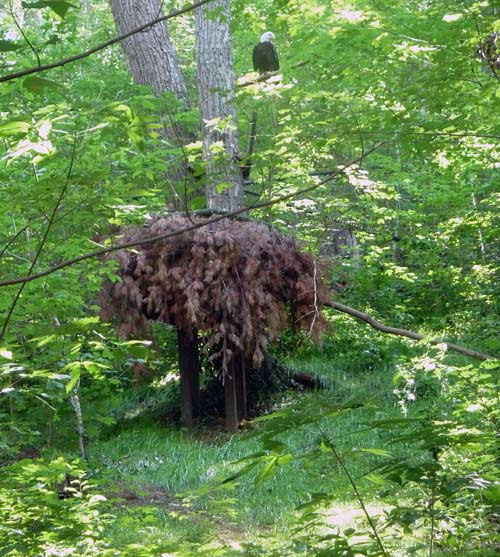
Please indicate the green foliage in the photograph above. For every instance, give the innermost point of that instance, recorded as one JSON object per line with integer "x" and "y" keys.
{"x": 59, "y": 512}
{"x": 414, "y": 229}
{"x": 436, "y": 465}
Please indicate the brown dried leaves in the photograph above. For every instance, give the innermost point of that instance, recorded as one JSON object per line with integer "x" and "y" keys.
{"x": 239, "y": 280}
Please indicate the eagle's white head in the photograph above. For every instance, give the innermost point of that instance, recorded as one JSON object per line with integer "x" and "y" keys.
{"x": 267, "y": 37}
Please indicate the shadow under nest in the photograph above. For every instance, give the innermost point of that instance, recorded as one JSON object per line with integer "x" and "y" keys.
{"x": 240, "y": 282}
{"x": 266, "y": 387}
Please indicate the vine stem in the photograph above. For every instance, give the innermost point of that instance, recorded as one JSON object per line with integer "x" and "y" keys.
{"x": 43, "y": 241}
{"x": 432, "y": 501}
{"x": 341, "y": 462}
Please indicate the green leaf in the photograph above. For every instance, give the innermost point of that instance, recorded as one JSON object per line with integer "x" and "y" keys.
{"x": 241, "y": 471}
{"x": 378, "y": 452}
{"x": 6, "y": 46}
{"x": 267, "y": 471}
{"x": 75, "y": 376}
{"x": 14, "y": 127}
{"x": 223, "y": 186}
{"x": 492, "y": 494}
{"x": 38, "y": 85}
{"x": 197, "y": 203}
{"x": 60, "y": 7}
{"x": 274, "y": 446}
{"x": 349, "y": 531}
{"x": 42, "y": 341}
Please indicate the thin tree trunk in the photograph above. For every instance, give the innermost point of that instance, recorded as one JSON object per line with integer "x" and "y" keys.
{"x": 74, "y": 397}
{"x": 216, "y": 96}
{"x": 189, "y": 368}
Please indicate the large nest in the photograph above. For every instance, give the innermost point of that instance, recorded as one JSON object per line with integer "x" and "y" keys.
{"x": 240, "y": 281}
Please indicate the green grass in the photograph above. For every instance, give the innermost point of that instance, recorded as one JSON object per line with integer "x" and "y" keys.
{"x": 153, "y": 471}
{"x": 177, "y": 461}
{"x": 143, "y": 456}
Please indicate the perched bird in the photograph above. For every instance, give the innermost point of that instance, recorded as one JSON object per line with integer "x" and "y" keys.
{"x": 265, "y": 55}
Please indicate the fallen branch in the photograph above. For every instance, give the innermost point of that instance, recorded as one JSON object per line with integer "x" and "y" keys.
{"x": 404, "y": 332}
{"x": 102, "y": 46}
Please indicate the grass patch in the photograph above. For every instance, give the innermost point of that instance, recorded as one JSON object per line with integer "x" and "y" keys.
{"x": 146, "y": 457}
{"x": 152, "y": 470}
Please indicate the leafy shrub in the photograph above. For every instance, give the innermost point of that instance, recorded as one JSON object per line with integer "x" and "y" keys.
{"x": 49, "y": 508}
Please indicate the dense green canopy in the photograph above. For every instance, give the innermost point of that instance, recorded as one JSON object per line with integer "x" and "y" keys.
{"x": 408, "y": 89}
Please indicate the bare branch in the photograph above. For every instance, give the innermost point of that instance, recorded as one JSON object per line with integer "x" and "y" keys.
{"x": 404, "y": 332}
{"x": 103, "y": 251}
{"x": 102, "y": 46}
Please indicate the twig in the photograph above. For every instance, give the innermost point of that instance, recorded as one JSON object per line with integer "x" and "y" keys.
{"x": 403, "y": 332}
{"x": 102, "y": 46}
{"x": 103, "y": 251}
{"x": 20, "y": 29}
{"x": 42, "y": 243}
{"x": 341, "y": 462}
{"x": 13, "y": 239}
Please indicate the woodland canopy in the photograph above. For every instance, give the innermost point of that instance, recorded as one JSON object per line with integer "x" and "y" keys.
{"x": 178, "y": 231}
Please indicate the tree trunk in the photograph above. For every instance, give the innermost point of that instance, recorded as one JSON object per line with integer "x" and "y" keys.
{"x": 219, "y": 127}
{"x": 216, "y": 96}
{"x": 189, "y": 368}
{"x": 151, "y": 55}
{"x": 153, "y": 61}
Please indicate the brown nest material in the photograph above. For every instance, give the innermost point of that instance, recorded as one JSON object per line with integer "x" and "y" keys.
{"x": 239, "y": 280}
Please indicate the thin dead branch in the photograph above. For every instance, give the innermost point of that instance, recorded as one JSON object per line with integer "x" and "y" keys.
{"x": 102, "y": 46}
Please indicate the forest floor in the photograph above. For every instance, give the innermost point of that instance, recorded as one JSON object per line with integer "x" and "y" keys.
{"x": 165, "y": 484}
{"x": 151, "y": 472}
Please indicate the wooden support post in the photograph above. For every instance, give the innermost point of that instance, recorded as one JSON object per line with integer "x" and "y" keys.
{"x": 189, "y": 368}
{"x": 231, "y": 401}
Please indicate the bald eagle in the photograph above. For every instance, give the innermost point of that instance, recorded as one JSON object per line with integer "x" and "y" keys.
{"x": 265, "y": 56}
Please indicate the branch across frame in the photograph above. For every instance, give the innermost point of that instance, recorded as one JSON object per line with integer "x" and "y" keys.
{"x": 101, "y": 46}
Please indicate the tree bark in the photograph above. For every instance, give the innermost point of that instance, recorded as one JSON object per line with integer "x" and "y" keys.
{"x": 219, "y": 127}
{"x": 151, "y": 55}
{"x": 189, "y": 368}
{"x": 153, "y": 61}
{"x": 216, "y": 96}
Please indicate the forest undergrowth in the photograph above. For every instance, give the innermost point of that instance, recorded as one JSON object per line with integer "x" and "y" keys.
{"x": 385, "y": 434}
